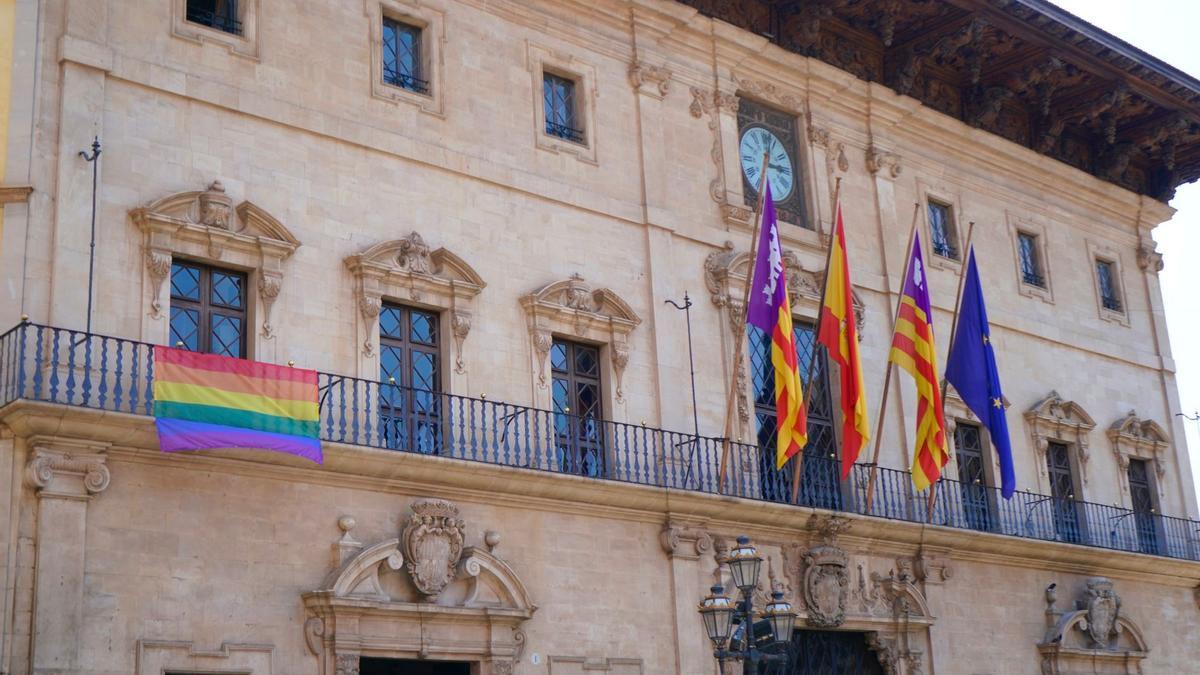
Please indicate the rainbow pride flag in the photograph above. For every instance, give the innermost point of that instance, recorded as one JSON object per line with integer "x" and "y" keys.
{"x": 206, "y": 401}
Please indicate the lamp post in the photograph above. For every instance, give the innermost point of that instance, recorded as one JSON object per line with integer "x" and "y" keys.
{"x": 720, "y": 613}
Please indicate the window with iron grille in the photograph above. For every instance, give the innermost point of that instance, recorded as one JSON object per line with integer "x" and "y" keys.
{"x": 943, "y": 236}
{"x": 402, "y": 62}
{"x": 208, "y": 309}
{"x": 219, "y": 14}
{"x": 1063, "y": 507}
{"x": 578, "y": 412}
{"x": 968, "y": 449}
{"x": 1106, "y": 280}
{"x": 1031, "y": 263}
{"x": 410, "y": 404}
{"x": 820, "y": 484}
{"x": 561, "y": 108}
{"x": 1145, "y": 506}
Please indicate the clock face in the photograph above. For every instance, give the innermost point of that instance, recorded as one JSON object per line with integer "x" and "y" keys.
{"x": 755, "y": 142}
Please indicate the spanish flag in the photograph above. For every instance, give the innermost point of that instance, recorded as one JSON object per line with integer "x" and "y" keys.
{"x": 913, "y": 350}
{"x": 838, "y": 333}
{"x": 206, "y": 401}
{"x": 771, "y": 310}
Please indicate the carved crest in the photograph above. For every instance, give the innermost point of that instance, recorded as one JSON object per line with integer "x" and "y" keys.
{"x": 1103, "y": 605}
{"x": 825, "y": 584}
{"x": 433, "y": 542}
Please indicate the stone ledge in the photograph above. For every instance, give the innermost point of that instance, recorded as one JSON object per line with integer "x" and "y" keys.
{"x": 132, "y": 439}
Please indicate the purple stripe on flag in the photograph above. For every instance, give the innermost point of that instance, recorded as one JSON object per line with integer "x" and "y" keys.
{"x": 182, "y": 435}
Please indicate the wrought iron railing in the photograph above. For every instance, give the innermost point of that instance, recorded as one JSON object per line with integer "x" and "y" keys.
{"x": 74, "y": 368}
{"x": 563, "y": 131}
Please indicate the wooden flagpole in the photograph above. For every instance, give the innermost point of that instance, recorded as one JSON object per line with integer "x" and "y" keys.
{"x": 887, "y": 376}
{"x": 962, "y": 276}
{"x": 740, "y": 340}
{"x": 798, "y": 460}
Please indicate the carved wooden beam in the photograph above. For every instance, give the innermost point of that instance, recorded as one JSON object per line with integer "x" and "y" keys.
{"x": 914, "y": 57}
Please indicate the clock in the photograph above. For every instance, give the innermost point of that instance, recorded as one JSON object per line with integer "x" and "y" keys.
{"x": 757, "y": 141}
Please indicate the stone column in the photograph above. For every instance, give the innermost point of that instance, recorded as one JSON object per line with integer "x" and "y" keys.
{"x": 689, "y": 550}
{"x": 65, "y": 476}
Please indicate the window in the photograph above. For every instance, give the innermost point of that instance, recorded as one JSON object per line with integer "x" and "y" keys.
{"x": 1106, "y": 281}
{"x": 942, "y": 233}
{"x": 1145, "y": 509}
{"x": 1064, "y": 508}
{"x": 219, "y": 14}
{"x": 208, "y": 309}
{"x": 402, "y": 62}
{"x": 968, "y": 447}
{"x": 562, "y": 110}
{"x": 820, "y": 485}
{"x": 1031, "y": 264}
{"x": 409, "y": 379}
{"x": 578, "y": 414}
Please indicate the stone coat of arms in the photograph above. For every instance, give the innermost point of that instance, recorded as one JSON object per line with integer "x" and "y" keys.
{"x": 825, "y": 585}
{"x": 432, "y": 543}
{"x": 1103, "y": 606}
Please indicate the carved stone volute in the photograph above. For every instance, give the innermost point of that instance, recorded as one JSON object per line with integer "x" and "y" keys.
{"x": 432, "y": 543}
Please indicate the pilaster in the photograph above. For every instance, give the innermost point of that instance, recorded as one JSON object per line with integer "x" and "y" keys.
{"x": 65, "y": 475}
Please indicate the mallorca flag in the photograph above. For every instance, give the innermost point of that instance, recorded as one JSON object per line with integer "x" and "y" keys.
{"x": 205, "y": 401}
{"x": 837, "y": 331}
{"x": 771, "y": 311}
{"x": 913, "y": 350}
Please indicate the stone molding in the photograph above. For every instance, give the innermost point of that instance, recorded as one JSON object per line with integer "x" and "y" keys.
{"x": 14, "y": 194}
{"x": 67, "y": 471}
{"x": 408, "y": 270}
{"x": 573, "y": 308}
{"x": 155, "y": 657}
{"x": 245, "y": 45}
{"x": 542, "y": 59}
{"x": 1093, "y": 637}
{"x": 654, "y": 81}
{"x": 477, "y": 617}
{"x": 205, "y": 225}
{"x": 1135, "y": 438}
{"x": 683, "y": 541}
{"x": 1056, "y": 419}
{"x": 433, "y": 38}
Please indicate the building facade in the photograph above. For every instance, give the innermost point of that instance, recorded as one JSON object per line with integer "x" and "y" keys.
{"x": 469, "y": 216}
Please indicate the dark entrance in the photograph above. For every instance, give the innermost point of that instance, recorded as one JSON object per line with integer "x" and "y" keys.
{"x": 1062, "y": 491}
{"x": 369, "y": 665}
{"x": 827, "y": 652}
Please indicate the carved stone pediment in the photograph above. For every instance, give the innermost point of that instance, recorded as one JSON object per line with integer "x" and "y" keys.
{"x": 1094, "y": 637}
{"x": 377, "y": 599}
{"x": 1137, "y": 438}
{"x": 205, "y": 224}
{"x": 573, "y": 307}
{"x": 409, "y": 269}
{"x": 1057, "y": 419}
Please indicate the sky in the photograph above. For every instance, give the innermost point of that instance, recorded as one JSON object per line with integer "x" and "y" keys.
{"x": 1167, "y": 29}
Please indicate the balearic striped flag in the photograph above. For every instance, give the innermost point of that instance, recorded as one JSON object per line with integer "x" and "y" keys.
{"x": 913, "y": 350}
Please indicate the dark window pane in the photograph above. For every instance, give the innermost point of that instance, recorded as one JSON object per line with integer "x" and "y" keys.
{"x": 185, "y": 324}
{"x": 219, "y": 14}
{"x": 587, "y": 361}
{"x": 410, "y": 380}
{"x": 424, "y": 370}
{"x": 558, "y": 98}
{"x": 227, "y": 336}
{"x": 227, "y": 289}
{"x": 1031, "y": 267}
{"x": 402, "y": 66}
{"x": 185, "y": 282}
{"x": 576, "y": 394}
{"x": 558, "y": 356}
{"x": 390, "y": 322}
{"x": 1107, "y": 279}
{"x": 941, "y": 231}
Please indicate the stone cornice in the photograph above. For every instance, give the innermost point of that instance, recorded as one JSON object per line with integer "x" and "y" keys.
{"x": 370, "y": 469}
{"x": 14, "y": 194}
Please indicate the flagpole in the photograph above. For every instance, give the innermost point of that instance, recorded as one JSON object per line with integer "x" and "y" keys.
{"x": 887, "y": 376}
{"x": 798, "y": 461}
{"x": 741, "y": 338}
{"x": 962, "y": 276}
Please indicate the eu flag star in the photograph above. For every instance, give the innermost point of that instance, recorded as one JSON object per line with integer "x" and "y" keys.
{"x": 986, "y": 339}
{"x": 996, "y": 402}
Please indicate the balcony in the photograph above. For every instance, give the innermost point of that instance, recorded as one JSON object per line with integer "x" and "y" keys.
{"x": 73, "y": 368}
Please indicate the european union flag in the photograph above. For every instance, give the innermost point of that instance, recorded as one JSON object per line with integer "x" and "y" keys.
{"x": 971, "y": 368}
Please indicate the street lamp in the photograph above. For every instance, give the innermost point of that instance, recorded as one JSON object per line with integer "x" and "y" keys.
{"x": 720, "y": 613}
